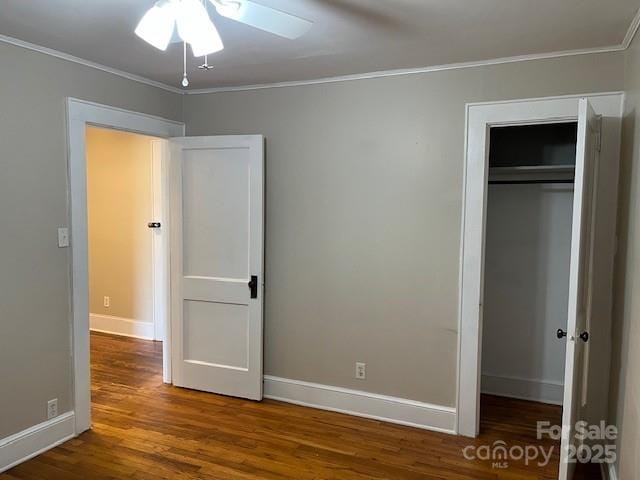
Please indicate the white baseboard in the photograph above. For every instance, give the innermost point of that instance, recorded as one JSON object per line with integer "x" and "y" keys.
{"x": 362, "y": 404}
{"x": 121, "y": 326}
{"x": 35, "y": 440}
{"x": 523, "y": 388}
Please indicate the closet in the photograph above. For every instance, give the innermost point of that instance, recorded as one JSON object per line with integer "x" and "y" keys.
{"x": 527, "y": 255}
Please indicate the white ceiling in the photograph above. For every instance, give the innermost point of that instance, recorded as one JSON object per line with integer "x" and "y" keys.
{"x": 348, "y": 36}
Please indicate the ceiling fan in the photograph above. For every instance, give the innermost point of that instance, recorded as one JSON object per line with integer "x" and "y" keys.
{"x": 188, "y": 21}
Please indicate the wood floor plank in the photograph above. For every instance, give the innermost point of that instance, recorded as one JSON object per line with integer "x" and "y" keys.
{"x": 143, "y": 429}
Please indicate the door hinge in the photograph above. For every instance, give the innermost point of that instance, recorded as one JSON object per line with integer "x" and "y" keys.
{"x": 599, "y": 135}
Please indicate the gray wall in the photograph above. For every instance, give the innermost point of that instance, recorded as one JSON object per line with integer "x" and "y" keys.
{"x": 364, "y": 196}
{"x": 625, "y": 380}
{"x": 35, "y": 363}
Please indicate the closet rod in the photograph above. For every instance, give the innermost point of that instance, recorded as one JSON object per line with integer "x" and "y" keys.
{"x": 518, "y": 182}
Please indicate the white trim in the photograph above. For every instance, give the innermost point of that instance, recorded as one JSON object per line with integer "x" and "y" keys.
{"x": 80, "y": 114}
{"x": 407, "y": 71}
{"x": 536, "y": 390}
{"x": 160, "y": 250}
{"x": 81, "y": 61}
{"x": 609, "y": 471}
{"x": 607, "y": 104}
{"x": 127, "y": 327}
{"x": 35, "y": 440}
{"x": 629, "y": 36}
{"x": 160, "y": 240}
{"x": 128, "y": 120}
{"x": 632, "y": 31}
{"x": 478, "y": 118}
{"x": 362, "y": 404}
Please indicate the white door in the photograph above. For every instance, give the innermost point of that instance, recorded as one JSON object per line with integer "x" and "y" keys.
{"x": 217, "y": 221}
{"x": 580, "y": 284}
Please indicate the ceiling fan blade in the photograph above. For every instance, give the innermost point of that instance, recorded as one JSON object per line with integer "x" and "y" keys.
{"x": 264, "y": 18}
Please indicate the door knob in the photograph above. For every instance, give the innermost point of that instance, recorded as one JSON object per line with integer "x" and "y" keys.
{"x": 584, "y": 336}
{"x": 253, "y": 286}
{"x": 561, "y": 333}
{"x": 154, "y": 225}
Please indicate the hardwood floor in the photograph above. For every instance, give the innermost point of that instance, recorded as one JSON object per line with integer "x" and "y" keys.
{"x": 143, "y": 429}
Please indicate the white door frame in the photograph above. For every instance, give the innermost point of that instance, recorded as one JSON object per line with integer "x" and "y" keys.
{"x": 160, "y": 287}
{"x": 479, "y": 118}
{"x": 80, "y": 114}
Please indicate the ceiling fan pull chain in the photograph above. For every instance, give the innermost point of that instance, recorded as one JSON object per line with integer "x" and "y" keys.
{"x": 185, "y": 80}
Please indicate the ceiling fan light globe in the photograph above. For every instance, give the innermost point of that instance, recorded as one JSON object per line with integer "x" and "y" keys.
{"x": 206, "y": 45}
{"x": 157, "y": 25}
{"x": 196, "y": 29}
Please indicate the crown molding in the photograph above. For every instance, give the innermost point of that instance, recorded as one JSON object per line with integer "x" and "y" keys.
{"x": 626, "y": 42}
{"x": 407, "y": 71}
{"x": 81, "y": 61}
{"x": 632, "y": 30}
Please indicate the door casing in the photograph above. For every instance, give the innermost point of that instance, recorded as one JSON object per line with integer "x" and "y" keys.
{"x": 81, "y": 113}
{"x": 479, "y": 118}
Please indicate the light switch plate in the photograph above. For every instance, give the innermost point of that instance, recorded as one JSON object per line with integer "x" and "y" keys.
{"x": 63, "y": 237}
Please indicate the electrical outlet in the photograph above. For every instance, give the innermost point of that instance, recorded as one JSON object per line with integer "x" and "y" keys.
{"x": 107, "y": 302}
{"x": 361, "y": 370}
{"x": 52, "y": 408}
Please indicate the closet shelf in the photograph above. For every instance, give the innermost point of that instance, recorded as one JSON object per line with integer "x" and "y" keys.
{"x": 532, "y": 169}
{"x": 532, "y": 174}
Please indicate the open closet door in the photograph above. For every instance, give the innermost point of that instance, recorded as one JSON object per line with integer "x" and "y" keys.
{"x": 217, "y": 219}
{"x": 580, "y": 284}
